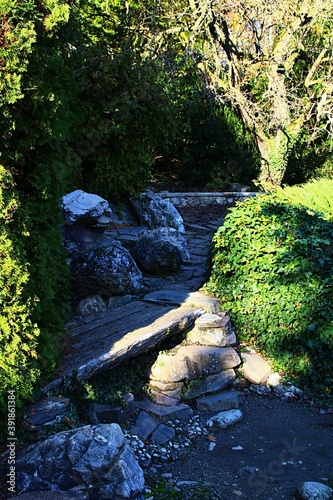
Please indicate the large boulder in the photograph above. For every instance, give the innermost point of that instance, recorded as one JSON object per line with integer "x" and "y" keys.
{"x": 96, "y": 457}
{"x": 155, "y": 212}
{"x": 161, "y": 251}
{"x": 106, "y": 270}
{"x": 86, "y": 208}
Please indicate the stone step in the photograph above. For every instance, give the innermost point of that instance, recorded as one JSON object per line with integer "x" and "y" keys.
{"x": 164, "y": 414}
{"x": 221, "y": 401}
{"x": 192, "y": 362}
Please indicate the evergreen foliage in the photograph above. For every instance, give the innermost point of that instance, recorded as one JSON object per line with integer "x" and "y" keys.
{"x": 19, "y": 335}
{"x": 315, "y": 195}
{"x": 127, "y": 118}
{"x": 36, "y": 98}
{"x": 272, "y": 270}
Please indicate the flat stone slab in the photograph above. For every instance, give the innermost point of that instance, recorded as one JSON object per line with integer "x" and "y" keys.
{"x": 162, "y": 434}
{"x": 212, "y": 383}
{"x": 220, "y": 402}
{"x": 144, "y": 426}
{"x": 166, "y": 413}
{"x": 46, "y": 412}
{"x": 118, "y": 334}
{"x": 184, "y": 298}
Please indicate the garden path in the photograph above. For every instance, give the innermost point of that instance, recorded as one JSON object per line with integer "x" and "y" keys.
{"x": 171, "y": 305}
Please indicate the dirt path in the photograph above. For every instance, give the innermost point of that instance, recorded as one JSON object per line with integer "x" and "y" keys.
{"x": 276, "y": 447}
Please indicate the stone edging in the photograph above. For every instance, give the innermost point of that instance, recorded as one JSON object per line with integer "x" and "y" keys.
{"x": 190, "y": 199}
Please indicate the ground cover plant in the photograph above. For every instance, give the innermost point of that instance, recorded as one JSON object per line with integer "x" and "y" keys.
{"x": 272, "y": 270}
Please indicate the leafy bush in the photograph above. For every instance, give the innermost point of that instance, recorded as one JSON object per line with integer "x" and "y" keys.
{"x": 272, "y": 270}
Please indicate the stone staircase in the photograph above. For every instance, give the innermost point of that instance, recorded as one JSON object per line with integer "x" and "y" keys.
{"x": 172, "y": 305}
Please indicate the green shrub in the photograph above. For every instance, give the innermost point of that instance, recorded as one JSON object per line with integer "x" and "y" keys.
{"x": 18, "y": 333}
{"x": 316, "y": 195}
{"x": 272, "y": 270}
{"x": 127, "y": 117}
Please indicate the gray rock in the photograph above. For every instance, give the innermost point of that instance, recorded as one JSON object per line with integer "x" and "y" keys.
{"x": 107, "y": 270}
{"x": 212, "y": 383}
{"x": 46, "y": 412}
{"x": 192, "y": 362}
{"x": 91, "y": 305}
{"x": 144, "y": 425}
{"x": 239, "y": 188}
{"x": 155, "y": 212}
{"x": 106, "y": 413}
{"x": 255, "y": 368}
{"x": 97, "y": 457}
{"x": 53, "y": 495}
{"x": 166, "y": 386}
{"x": 161, "y": 251}
{"x": 212, "y": 329}
{"x": 220, "y": 402}
{"x": 85, "y": 207}
{"x": 120, "y": 300}
{"x": 164, "y": 399}
{"x": 221, "y": 336}
{"x": 226, "y": 418}
{"x": 162, "y": 434}
{"x": 311, "y": 490}
{"x": 165, "y": 413}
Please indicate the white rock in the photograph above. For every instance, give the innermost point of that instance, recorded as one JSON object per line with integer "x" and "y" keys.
{"x": 311, "y": 490}
{"x": 226, "y": 418}
{"x": 255, "y": 368}
{"x": 274, "y": 379}
{"x": 80, "y": 205}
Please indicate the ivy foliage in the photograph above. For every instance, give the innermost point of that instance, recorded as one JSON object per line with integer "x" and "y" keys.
{"x": 272, "y": 270}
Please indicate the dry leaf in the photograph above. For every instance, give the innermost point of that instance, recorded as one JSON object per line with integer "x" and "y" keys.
{"x": 211, "y": 438}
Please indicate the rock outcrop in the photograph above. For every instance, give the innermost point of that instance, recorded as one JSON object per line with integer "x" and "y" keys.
{"x": 106, "y": 270}
{"x": 97, "y": 458}
{"x": 161, "y": 251}
{"x": 155, "y": 212}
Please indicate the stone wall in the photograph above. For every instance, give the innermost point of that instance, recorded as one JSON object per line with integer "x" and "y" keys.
{"x": 201, "y": 199}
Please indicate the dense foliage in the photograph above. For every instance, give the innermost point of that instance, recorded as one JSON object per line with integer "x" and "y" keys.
{"x": 315, "y": 195}
{"x": 18, "y": 334}
{"x": 272, "y": 270}
{"x": 35, "y": 106}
